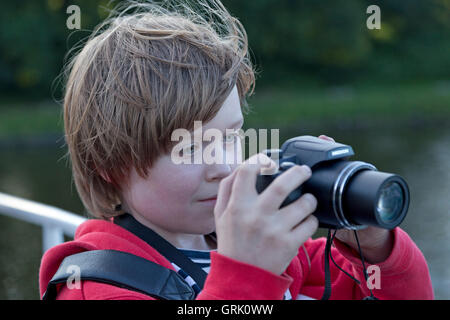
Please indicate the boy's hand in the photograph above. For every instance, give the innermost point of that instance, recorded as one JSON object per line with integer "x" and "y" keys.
{"x": 376, "y": 243}
{"x": 251, "y": 228}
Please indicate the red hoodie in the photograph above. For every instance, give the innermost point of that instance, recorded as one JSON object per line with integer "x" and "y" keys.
{"x": 404, "y": 274}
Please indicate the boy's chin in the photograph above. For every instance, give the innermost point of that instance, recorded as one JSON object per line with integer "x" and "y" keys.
{"x": 208, "y": 227}
{"x": 202, "y": 222}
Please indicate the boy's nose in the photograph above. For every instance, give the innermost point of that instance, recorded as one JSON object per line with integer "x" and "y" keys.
{"x": 218, "y": 172}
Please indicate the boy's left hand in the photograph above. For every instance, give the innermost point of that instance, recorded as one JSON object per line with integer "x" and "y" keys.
{"x": 376, "y": 243}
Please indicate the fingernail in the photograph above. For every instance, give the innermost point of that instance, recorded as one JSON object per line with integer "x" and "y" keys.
{"x": 307, "y": 169}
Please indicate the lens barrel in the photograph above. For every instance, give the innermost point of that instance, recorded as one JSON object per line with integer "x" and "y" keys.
{"x": 376, "y": 198}
{"x": 354, "y": 195}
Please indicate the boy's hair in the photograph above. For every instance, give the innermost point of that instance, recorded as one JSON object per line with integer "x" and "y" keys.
{"x": 143, "y": 73}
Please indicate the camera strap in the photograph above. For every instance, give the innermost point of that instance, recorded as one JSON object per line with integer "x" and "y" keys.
{"x": 165, "y": 248}
{"x": 327, "y": 290}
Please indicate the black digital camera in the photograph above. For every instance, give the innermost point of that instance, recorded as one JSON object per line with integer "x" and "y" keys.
{"x": 350, "y": 194}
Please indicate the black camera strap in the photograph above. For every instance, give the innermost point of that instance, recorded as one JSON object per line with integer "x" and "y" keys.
{"x": 165, "y": 248}
{"x": 371, "y": 297}
{"x": 327, "y": 290}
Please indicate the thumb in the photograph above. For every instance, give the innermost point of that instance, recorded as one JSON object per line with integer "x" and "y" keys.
{"x": 226, "y": 185}
{"x": 224, "y": 193}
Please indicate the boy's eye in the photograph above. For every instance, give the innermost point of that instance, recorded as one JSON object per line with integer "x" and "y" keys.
{"x": 190, "y": 149}
{"x": 232, "y": 137}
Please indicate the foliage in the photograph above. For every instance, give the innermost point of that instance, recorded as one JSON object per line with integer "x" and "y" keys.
{"x": 306, "y": 41}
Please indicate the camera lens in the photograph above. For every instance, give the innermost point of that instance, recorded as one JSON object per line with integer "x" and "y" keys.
{"x": 390, "y": 202}
{"x": 375, "y": 198}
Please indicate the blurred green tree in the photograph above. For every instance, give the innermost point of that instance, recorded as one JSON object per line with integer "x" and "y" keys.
{"x": 325, "y": 42}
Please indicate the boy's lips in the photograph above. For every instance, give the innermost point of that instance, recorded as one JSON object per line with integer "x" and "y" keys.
{"x": 210, "y": 202}
{"x": 209, "y": 199}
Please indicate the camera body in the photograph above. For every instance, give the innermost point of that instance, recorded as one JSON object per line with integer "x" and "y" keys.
{"x": 350, "y": 194}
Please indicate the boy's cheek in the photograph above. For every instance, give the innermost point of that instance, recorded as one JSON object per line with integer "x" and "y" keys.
{"x": 233, "y": 155}
{"x": 168, "y": 186}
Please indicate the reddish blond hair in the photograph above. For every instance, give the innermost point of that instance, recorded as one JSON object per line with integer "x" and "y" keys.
{"x": 141, "y": 75}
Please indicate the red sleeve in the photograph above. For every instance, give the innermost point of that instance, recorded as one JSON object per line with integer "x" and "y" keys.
{"x": 230, "y": 279}
{"x": 403, "y": 275}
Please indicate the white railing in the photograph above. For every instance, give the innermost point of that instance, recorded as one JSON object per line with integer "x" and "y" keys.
{"x": 55, "y": 222}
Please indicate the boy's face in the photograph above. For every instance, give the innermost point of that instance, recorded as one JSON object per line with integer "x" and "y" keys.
{"x": 170, "y": 198}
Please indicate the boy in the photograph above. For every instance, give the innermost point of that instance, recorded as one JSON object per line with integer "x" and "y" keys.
{"x": 146, "y": 74}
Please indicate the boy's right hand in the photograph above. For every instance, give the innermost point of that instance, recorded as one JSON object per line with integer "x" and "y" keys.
{"x": 251, "y": 228}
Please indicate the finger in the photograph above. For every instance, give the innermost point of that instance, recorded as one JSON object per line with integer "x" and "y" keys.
{"x": 225, "y": 187}
{"x": 305, "y": 230}
{"x": 274, "y": 195}
{"x": 299, "y": 210}
{"x": 244, "y": 184}
{"x": 271, "y": 169}
{"x": 223, "y": 195}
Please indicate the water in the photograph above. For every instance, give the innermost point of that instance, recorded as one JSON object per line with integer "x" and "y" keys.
{"x": 421, "y": 154}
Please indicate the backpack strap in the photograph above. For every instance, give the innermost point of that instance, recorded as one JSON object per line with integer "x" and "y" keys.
{"x": 123, "y": 270}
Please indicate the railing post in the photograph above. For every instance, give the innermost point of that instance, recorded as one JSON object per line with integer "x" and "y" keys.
{"x": 51, "y": 236}
{"x": 55, "y": 222}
